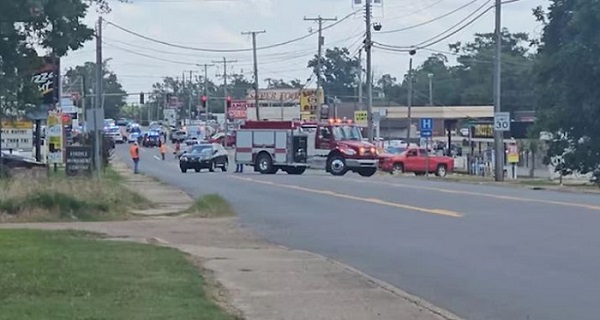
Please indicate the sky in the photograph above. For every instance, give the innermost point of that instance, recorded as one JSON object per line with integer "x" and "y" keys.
{"x": 218, "y": 25}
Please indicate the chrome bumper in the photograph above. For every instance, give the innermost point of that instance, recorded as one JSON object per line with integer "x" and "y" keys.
{"x": 362, "y": 163}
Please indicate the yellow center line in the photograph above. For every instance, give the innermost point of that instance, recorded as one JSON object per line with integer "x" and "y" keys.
{"x": 480, "y": 194}
{"x": 442, "y": 212}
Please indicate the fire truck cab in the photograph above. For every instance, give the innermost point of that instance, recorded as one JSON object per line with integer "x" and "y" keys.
{"x": 336, "y": 146}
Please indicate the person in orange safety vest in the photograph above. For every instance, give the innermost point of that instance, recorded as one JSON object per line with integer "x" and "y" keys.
{"x": 163, "y": 149}
{"x": 134, "y": 151}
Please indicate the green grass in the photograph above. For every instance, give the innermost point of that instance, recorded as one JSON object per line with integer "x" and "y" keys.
{"x": 49, "y": 275}
{"x": 68, "y": 199}
{"x": 211, "y": 206}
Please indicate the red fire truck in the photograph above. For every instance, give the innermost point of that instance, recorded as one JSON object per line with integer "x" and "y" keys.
{"x": 335, "y": 145}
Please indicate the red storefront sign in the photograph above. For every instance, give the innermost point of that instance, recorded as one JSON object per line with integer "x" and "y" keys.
{"x": 238, "y": 110}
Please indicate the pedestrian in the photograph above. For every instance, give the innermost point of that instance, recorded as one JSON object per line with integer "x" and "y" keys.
{"x": 163, "y": 149}
{"x": 239, "y": 168}
{"x": 134, "y": 151}
{"x": 177, "y": 149}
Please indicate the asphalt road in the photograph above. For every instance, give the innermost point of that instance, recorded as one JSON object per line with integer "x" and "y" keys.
{"x": 482, "y": 252}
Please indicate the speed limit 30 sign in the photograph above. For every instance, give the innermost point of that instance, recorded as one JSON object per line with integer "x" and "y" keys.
{"x": 502, "y": 121}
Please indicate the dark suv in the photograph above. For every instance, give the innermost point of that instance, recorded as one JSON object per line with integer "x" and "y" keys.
{"x": 204, "y": 156}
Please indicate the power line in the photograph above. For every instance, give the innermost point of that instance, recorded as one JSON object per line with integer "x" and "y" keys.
{"x": 431, "y": 20}
{"x": 424, "y": 44}
{"x": 229, "y": 50}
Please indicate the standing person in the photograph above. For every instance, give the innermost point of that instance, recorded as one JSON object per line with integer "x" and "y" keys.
{"x": 177, "y": 149}
{"x": 239, "y": 168}
{"x": 134, "y": 151}
{"x": 163, "y": 149}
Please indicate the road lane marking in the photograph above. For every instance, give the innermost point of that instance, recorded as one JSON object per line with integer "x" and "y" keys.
{"x": 157, "y": 158}
{"x": 441, "y": 212}
{"x": 480, "y": 194}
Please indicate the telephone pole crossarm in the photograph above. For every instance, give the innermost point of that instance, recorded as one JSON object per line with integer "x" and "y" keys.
{"x": 254, "y": 33}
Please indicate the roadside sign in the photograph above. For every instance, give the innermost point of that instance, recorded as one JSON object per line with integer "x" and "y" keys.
{"x": 426, "y": 127}
{"x": 78, "y": 161}
{"x": 238, "y": 110}
{"x": 361, "y": 117}
{"x": 55, "y": 137}
{"x": 512, "y": 153}
{"x": 502, "y": 121}
{"x": 17, "y": 135}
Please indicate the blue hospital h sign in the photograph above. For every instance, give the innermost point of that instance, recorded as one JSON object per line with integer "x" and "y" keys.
{"x": 426, "y": 124}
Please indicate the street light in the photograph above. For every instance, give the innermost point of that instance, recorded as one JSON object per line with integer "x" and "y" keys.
{"x": 410, "y": 92}
{"x": 430, "y": 76}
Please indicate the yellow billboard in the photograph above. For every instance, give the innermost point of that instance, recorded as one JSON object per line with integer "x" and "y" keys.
{"x": 361, "y": 118}
{"x": 310, "y": 101}
{"x": 17, "y": 125}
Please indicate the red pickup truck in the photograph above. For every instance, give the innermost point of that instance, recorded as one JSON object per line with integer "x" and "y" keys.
{"x": 416, "y": 160}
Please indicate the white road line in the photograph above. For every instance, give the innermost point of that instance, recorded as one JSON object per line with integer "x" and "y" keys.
{"x": 157, "y": 158}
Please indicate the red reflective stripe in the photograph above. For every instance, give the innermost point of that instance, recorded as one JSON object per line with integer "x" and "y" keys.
{"x": 244, "y": 149}
{"x": 263, "y": 146}
{"x": 282, "y": 150}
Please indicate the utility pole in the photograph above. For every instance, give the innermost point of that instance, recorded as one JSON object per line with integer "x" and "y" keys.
{"x": 368, "y": 44}
{"x": 430, "y": 76}
{"x": 410, "y": 93}
{"x": 98, "y": 97}
{"x": 254, "y": 33}
{"x": 191, "y": 72}
{"x": 206, "y": 65}
{"x": 360, "y": 87}
{"x": 498, "y": 135}
{"x": 320, "y": 20}
{"x": 224, "y": 62}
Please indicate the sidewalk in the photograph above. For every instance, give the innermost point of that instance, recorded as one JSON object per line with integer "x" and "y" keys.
{"x": 261, "y": 281}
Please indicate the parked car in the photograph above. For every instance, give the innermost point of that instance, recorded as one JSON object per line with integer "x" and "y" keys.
{"x": 204, "y": 156}
{"x": 151, "y": 139}
{"x": 416, "y": 160}
{"x": 133, "y": 137}
{"x": 178, "y": 136}
{"x": 221, "y": 138}
{"x": 115, "y": 133}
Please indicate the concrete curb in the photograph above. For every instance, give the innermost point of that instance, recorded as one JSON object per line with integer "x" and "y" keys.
{"x": 385, "y": 286}
{"x": 557, "y": 188}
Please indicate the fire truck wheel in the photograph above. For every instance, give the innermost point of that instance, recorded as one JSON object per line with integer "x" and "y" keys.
{"x": 366, "y": 172}
{"x": 337, "y": 165}
{"x": 264, "y": 163}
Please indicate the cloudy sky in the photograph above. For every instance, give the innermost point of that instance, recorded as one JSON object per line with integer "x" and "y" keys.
{"x": 218, "y": 24}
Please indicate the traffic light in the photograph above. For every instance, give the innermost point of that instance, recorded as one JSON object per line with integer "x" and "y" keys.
{"x": 228, "y": 103}
{"x": 204, "y": 100}
{"x": 141, "y": 98}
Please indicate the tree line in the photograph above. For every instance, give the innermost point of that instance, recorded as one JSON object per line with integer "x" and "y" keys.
{"x": 555, "y": 75}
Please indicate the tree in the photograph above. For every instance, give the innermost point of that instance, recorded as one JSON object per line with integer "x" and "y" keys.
{"x": 84, "y": 77}
{"x": 339, "y": 71}
{"x": 189, "y": 94}
{"x": 567, "y": 77}
{"x": 475, "y": 70}
{"x": 446, "y": 86}
{"x": 54, "y": 26}
{"x": 282, "y": 84}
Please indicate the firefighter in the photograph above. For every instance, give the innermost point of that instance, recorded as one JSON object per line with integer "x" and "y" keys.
{"x": 163, "y": 149}
{"x": 134, "y": 151}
